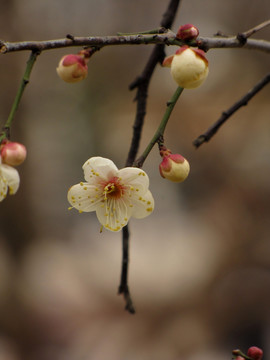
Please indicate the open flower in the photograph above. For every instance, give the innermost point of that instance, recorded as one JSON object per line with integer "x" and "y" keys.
{"x": 9, "y": 180}
{"x": 189, "y": 67}
{"x": 114, "y": 194}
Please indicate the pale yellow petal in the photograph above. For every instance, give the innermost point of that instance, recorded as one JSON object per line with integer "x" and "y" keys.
{"x": 11, "y": 177}
{"x": 115, "y": 214}
{"x": 134, "y": 178}
{"x": 97, "y": 168}
{"x": 84, "y": 197}
{"x": 142, "y": 205}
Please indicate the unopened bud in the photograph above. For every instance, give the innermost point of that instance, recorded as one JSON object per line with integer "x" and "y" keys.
{"x": 173, "y": 167}
{"x": 73, "y": 68}
{"x": 187, "y": 32}
{"x": 13, "y": 153}
{"x": 189, "y": 67}
{"x": 255, "y": 353}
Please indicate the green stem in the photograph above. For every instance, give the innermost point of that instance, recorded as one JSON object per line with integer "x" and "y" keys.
{"x": 160, "y": 130}
{"x": 25, "y": 80}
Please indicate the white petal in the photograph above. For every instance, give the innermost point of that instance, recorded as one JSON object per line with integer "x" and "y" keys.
{"x": 115, "y": 215}
{"x": 84, "y": 197}
{"x": 99, "y": 168}
{"x": 11, "y": 177}
{"x": 135, "y": 178}
{"x": 3, "y": 188}
{"x": 142, "y": 205}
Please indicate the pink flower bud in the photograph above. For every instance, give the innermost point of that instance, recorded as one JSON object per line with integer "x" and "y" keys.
{"x": 73, "y": 68}
{"x": 189, "y": 67}
{"x": 255, "y": 353}
{"x": 173, "y": 167}
{"x": 187, "y": 32}
{"x": 13, "y": 153}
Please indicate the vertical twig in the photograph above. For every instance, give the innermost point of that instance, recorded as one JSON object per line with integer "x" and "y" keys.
{"x": 142, "y": 84}
{"x": 123, "y": 287}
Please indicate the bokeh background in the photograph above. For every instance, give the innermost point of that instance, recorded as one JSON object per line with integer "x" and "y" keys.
{"x": 200, "y": 264}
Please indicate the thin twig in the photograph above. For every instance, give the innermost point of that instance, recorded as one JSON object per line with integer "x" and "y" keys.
{"x": 142, "y": 84}
{"x": 252, "y": 31}
{"x": 161, "y": 128}
{"x": 25, "y": 80}
{"x": 228, "y": 113}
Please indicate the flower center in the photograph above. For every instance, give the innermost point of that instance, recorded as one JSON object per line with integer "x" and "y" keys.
{"x": 113, "y": 189}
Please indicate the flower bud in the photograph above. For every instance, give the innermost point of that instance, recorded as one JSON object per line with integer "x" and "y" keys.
{"x": 73, "y": 68}
{"x": 189, "y": 67}
{"x": 12, "y": 153}
{"x": 255, "y": 353}
{"x": 187, "y": 32}
{"x": 173, "y": 167}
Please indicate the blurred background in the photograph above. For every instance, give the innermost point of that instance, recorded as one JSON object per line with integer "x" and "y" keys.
{"x": 199, "y": 265}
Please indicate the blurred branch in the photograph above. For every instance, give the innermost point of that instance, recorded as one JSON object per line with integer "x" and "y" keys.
{"x": 142, "y": 83}
{"x": 228, "y": 113}
{"x": 25, "y": 80}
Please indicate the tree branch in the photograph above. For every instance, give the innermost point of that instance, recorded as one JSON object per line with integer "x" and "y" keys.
{"x": 142, "y": 84}
{"x": 228, "y": 113}
{"x": 123, "y": 287}
{"x": 220, "y": 42}
{"x": 167, "y": 38}
{"x": 252, "y": 31}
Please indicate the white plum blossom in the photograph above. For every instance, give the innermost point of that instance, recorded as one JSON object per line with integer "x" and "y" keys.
{"x": 9, "y": 180}
{"x": 114, "y": 194}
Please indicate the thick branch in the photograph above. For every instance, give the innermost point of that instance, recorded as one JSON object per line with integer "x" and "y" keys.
{"x": 228, "y": 113}
{"x": 91, "y": 41}
{"x": 167, "y": 38}
{"x": 207, "y": 43}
